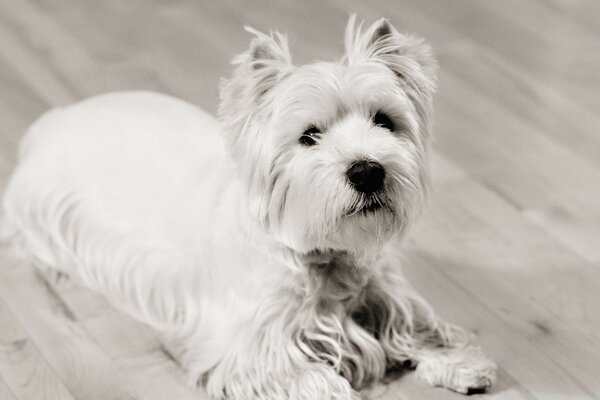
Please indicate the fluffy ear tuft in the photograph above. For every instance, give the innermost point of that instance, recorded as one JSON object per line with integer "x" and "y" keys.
{"x": 260, "y": 50}
{"x": 408, "y": 56}
{"x": 262, "y": 54}
{"x": 381, "y": 29}
{"x": 266, "y": 50}
{"x": 259, "y": 68}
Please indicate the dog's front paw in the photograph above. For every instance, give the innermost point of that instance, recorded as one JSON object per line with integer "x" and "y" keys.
{"x": 311, "y": 382}
{"x": 464, "y": 369}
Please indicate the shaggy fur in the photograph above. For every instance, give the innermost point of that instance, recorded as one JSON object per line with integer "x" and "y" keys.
{"x": 269, "y": 275}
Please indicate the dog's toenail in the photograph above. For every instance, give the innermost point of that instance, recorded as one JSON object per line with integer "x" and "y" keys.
{"x": 475, "y": 390}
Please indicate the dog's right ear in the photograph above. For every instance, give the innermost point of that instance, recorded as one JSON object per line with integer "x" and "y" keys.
{"x": 258, "y": 71}
{"x": 268, "y": 50}
{"x": 265, "y": 62}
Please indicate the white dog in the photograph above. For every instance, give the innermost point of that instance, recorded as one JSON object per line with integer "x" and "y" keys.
{"x": 264, "y": 245}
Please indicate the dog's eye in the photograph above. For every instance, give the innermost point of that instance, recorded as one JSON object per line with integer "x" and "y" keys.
{"x": 381, "y": 119}
{"x": 309, "y": 136}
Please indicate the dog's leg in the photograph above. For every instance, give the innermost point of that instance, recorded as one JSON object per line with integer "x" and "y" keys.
{"x": 283, "y": 374}
{"x": 412, "y": 335}
{"x": 314, "y": 381}
{"x": 268, "y": 359}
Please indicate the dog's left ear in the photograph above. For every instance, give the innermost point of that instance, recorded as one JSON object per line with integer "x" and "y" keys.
{"x": 408, "y": 56}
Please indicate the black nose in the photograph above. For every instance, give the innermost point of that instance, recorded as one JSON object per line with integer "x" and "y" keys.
{"x": 366, "y": 176}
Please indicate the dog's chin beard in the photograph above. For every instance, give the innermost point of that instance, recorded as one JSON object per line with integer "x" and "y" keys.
{"x": 369, "y": 205}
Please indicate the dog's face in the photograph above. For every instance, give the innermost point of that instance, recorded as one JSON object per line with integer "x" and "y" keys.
{"x": 333, "y": 155}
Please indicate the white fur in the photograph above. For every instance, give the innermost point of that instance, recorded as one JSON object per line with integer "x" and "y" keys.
{"x": 245, "y": 248}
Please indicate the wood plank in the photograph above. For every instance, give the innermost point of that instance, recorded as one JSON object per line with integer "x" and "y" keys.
{"x": 23, "y": 369}
{"x": 584, "y": 12}
{"x": 482, "y": 249}
{"x": 519, "y": 162}
{"x": 78, "y": 362}
{"x": 526, "y": 96}
{"x": 128, "y": 64}
{"x": 524, "y": 36}
{"x": 5, "y": 392}
{"x": 19, "y": 105}
{"x": 133, "y": 346}
{"x": 559, "y": 50}
{"x": 32, "y": 67}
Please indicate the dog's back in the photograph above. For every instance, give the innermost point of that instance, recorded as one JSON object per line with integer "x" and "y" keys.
{"x": 117, "y": 180}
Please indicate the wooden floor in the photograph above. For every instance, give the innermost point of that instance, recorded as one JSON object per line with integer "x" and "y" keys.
{"x": 509, "y": 246}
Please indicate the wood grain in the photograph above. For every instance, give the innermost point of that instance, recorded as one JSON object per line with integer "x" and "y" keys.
{"x": 5, "y": 392}
{"x": 23, "y": 366}
{"x": 133, "y": 347}
{"x": 508, "y": 246}
{"x": 81, "y": 365}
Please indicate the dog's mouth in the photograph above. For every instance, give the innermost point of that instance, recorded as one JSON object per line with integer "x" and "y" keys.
{"x": 372, "y": 207}
{"x": 369, "y": 205}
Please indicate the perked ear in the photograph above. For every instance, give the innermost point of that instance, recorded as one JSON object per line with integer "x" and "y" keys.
{"x": 408, "y": 56}
{"x": 258, "y": 70}
{"x": 265, "y": 49}
{"x": 267, "y": 59}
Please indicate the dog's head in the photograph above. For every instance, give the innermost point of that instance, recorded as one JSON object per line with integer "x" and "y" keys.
{"x": 332, "y": 155}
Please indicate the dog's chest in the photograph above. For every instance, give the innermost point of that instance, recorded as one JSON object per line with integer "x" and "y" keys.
{"x": 335, "y": 279}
